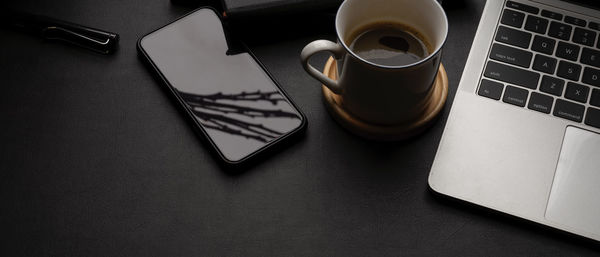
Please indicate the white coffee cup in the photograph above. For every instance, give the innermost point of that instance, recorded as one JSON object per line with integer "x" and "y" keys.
{"x": 375, "y": 93}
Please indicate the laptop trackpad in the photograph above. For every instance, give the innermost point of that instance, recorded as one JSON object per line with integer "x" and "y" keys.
{"x": 575, "y": 196}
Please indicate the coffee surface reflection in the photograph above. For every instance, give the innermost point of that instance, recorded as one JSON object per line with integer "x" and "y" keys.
{"x": 389, "y": 44}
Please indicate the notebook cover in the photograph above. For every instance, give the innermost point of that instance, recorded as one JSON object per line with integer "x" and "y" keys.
{"x": 235, "y": 9}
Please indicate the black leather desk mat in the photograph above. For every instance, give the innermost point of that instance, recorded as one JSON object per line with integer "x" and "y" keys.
{"x": 95, "y": 160}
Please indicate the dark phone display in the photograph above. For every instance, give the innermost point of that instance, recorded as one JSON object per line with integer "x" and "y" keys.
{"x": 234, "y": 100}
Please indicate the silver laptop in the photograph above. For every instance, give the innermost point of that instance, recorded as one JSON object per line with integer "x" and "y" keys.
{"x": 523, "y": 133}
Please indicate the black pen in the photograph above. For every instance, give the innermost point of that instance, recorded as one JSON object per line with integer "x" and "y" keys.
{"x": 53, "y": 29}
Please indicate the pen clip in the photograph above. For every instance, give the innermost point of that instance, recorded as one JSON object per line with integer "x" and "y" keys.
{"x": 99, "y": 42}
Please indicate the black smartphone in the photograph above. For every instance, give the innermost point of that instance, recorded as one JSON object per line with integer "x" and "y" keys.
{"x": 228, "y": 94}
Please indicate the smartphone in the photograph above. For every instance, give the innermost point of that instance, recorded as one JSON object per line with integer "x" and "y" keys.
{"x": 229, "y": 96}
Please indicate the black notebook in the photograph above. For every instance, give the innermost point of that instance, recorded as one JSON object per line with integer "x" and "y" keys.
{"x": 236, "y": 9}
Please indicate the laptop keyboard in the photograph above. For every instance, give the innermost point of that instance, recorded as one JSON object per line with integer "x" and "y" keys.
{"x": 547, "y": 62}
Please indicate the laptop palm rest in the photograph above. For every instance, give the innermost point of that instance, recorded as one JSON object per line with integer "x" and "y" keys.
{"x": 575, "y": 195}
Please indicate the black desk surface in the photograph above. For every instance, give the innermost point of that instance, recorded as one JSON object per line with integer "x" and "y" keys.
{"x": 95, "y": 160}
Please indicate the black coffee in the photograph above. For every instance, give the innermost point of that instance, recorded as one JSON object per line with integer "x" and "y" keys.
{"x": 389, "y": 44}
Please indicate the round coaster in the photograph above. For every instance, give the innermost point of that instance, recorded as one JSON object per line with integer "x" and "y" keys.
{"x": 437, "y": 100}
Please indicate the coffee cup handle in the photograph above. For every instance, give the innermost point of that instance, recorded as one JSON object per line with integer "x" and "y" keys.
{"x": 319, "y": 46}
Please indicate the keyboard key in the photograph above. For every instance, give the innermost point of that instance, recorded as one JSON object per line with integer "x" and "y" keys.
{"x": 590, "y": 57}
{"x": 567, "y": 51}
{"x": 544, "y": 64}
{"x": 513, "y": 18}
{"x": 569, "y": 70}
{"x": 512, "y": 75}
{"x": 575, "y": 21}
{"x": 595, "y": 99}
{"x": 515, "y": 96}
{"x": 593, "y": 117}
{"x": 594, "y": 26}
{"x": 513, "y": 37}
{"x": 577, "y": 92}
{"x": 540, "y": 102}
{"x": 543, "y": 45}
{"x": 490, "y": 89}
{"x": 568, "y": 110}
{"x": 511, "y": 55}
{"x": 584, "y": 37}
{"x": 591, "y": 76}
{"x": 552, "y": 15}
{"x": 536, "y": 24}
{"x": 552, "y": 85}
{"x": 560, "y": 30}
{"x": 522, "y": 7}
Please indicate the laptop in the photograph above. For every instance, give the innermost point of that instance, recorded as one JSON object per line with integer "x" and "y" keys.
{"x": 523, "y": 135}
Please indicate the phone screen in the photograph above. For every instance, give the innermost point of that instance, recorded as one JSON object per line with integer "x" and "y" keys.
{"x": 233, "y": 99}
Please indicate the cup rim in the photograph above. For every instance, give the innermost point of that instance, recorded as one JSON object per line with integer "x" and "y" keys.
{"x": 434, "y": 53}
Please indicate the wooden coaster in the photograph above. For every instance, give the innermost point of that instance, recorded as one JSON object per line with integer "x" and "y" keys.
{"x": 403, "y": 131}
